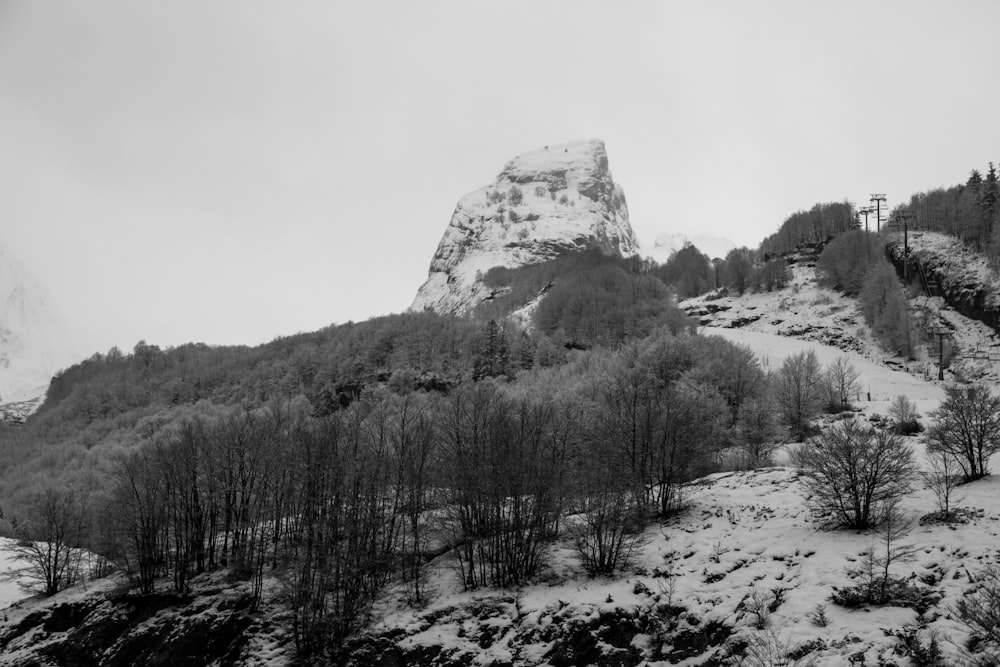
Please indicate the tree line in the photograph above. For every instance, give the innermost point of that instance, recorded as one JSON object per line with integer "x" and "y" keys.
{"x": 337, "y": 505}
{"x": 969, "y": 211}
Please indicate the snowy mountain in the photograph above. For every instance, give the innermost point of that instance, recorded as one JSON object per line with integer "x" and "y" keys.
{"x": 665, "y": 244}
{"x": 34, "y": 341}
{"x": 543, "y": 204}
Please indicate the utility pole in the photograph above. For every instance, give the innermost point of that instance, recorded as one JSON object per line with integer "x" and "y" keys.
{"x": 905, "y": 217}
{"x": 878, "y": 199}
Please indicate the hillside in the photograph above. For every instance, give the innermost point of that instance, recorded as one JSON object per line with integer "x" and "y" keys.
{"x": 743, "y": 550}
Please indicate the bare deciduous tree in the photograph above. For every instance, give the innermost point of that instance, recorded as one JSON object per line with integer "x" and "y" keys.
{"x": 903, "y": 414}
{"x": 967, "y": 427}
{"x": 942, "y": 480}
{"x": 856, "y": 472}
{"x": 797, "y": 387}
{"x": 841, "y": 381}
{"x": 49, "y": 540}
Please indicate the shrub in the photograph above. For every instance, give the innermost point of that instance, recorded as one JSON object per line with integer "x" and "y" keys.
{"x": 514, "y": 195}
{"x": 979, "y": 610}
{"x": 856, "y": 472}
{"x": 608, "y": 534}
{"x": 904, "y": 416}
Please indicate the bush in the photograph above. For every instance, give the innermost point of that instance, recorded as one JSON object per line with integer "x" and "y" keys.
{"x": 979, "y": 610}
{"x": 903, "y": 414}
{"x": 514, "y": 195}
{"x": 856, "y": 472}
{"x": 609, "y": 532}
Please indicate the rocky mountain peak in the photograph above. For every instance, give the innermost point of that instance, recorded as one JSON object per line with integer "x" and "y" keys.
{"x": 544, "y": 203}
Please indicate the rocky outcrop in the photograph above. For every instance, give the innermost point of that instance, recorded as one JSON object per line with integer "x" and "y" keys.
{"x": 943, "y": 267}
{"x": 543, "y": 204}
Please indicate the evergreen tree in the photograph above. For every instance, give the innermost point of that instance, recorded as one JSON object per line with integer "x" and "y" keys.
{"x": 493, "y": 358}
{"x": 989, "y": 195}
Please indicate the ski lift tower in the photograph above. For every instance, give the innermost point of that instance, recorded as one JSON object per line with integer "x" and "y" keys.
{"x": 878, "y": 199}
{"x": 941, "y": 332}
{"x": 905, "y": 217}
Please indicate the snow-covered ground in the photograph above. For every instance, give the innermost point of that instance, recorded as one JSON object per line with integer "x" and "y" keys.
{"x": 749, "y": 533}
{"x": 743, "y": 535}
{"x": 10, "y": 590}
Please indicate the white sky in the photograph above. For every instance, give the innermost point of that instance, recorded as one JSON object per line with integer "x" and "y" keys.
{"x": 233, "y": 171}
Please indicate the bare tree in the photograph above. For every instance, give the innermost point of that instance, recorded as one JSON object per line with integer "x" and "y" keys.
{"x": 968, "y": 428}
{"x": 758, "y": 431}
{"x": 49, "y": 540}
{"x": 875, "y": 585}
{"x": 607, "y": 532}
{"x": 904, "y": 416}
{"x": 842, "y": 381}
{"x": 942, "y": 480}
{"x": 856, "y": 472}
{"x": 797, "y": 386}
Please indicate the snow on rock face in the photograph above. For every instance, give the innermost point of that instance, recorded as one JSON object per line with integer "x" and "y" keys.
{"x": 543, "y": 204}
{"x": 34, "y": 343}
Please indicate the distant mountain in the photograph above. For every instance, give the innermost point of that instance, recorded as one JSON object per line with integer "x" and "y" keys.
{"x": 665, "y": 244}
{"x": 544, "y": 204}
{"x": 35, "y": 341}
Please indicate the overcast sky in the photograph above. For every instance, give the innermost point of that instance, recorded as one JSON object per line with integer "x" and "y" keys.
{"x": 229, "y": 172}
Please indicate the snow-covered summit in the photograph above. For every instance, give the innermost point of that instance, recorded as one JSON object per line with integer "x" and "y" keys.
{"x": 34, "y": 342}
{"x": 543, "y": 204}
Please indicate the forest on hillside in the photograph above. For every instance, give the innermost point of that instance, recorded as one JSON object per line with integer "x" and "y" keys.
{"x": 320, "y": 458}
{"x": 344, "y": 459}
{"x": 969, "y": 211}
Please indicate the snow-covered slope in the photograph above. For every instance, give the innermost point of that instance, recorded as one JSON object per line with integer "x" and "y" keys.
{"x": 543, "y": 204}
{"x": 34, "y": 340}
{"x": 665, "y": 244}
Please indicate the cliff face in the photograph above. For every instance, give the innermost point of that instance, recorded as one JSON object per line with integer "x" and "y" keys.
{"x": 543, "y": 204}
{"x": 944, "y": 267}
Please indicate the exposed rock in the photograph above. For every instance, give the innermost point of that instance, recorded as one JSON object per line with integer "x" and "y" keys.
{"x": 546, "y": 203}
{"x": 116, "y": 627}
